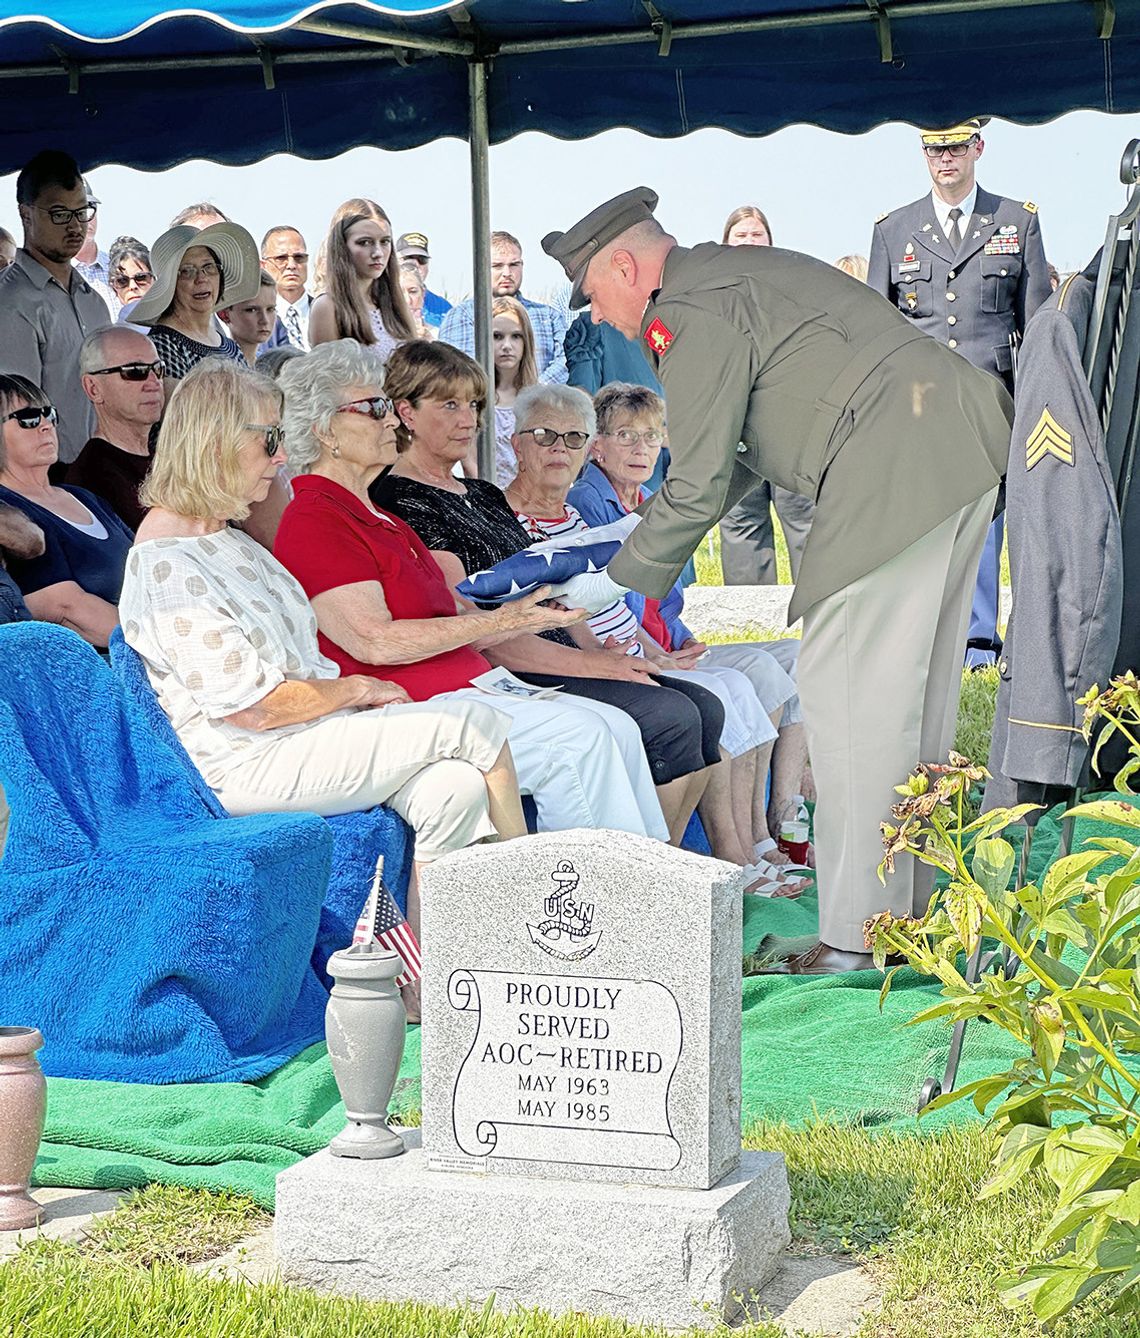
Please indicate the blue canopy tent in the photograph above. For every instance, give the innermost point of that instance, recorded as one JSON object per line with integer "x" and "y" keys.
{"x": 133, "y": 82}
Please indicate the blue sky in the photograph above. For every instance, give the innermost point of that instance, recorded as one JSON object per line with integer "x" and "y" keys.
{"x": 821, "y": 191}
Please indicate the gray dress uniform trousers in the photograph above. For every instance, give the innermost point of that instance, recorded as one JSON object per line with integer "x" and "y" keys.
{"x": 748, "y": 540}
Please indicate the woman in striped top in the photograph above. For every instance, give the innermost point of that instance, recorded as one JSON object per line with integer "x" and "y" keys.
{"x": 554, "y": 426}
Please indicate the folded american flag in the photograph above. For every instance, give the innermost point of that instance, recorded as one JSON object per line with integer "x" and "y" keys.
{"x": 526, "y": 571}
{"x": 382, "y": 922}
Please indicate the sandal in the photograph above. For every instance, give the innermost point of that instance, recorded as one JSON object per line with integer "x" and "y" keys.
{"x": 763, "y": 850}
{"x": 769, "y": 880}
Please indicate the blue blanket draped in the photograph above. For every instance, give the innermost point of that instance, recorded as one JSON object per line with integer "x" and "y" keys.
{"x": 147, "y": 939}
{"x": 358, "y": 838}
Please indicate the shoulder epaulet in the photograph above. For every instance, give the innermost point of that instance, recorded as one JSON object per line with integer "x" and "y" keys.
{"x": 882, "y": 216}
{"x": 1029, "y": 207}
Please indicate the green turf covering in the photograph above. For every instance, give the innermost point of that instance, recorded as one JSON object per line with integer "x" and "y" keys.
{"x": 811, "y": 1047}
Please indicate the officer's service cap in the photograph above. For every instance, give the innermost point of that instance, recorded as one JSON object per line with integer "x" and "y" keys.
{"x": 954, "y": 134}
{"x": 575, "y": 248}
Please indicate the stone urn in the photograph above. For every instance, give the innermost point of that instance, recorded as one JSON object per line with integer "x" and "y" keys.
{"x": 365, "y": 1025}
{"x": 23, "y": 1102}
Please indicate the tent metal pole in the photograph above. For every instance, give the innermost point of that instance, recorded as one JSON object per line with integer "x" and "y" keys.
{"x": 728, "y": 27}
{"x": 357, "y": 32}
{"x": 251, "y": 60}
{"x": 479, "y": 144}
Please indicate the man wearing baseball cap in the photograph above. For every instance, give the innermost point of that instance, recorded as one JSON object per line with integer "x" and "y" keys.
{"x": 969, "y": 268}
{"x": 413, "y": 246}
{"x": 778, "y": 366}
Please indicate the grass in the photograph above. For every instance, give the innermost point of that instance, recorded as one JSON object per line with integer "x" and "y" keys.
{"x": 168, "y": 1224}
{"x": 904, "y": 1205}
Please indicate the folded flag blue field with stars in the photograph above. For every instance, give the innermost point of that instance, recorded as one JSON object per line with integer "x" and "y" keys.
{"x": 524, "y": 572}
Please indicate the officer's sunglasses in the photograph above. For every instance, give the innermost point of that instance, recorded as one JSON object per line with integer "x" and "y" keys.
{"x": 954, "y": 150}
{"x": 133, "y": 371}
{"x": 273, "y": 433}
{"x": 31, "y": 418}
{"x": 376, "y": 406}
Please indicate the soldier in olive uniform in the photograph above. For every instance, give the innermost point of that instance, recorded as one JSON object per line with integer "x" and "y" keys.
{"x": 969, "y": 268}
{"x": 778, "y": 366}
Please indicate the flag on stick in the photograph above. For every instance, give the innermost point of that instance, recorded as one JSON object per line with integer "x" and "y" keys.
{"x": 381, "y": 921}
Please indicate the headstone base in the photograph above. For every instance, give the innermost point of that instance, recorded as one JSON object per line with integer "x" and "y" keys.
{"x": 394, "y": 1230}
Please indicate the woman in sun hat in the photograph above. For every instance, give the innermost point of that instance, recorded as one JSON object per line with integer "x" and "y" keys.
{"x": 196, "y": 272}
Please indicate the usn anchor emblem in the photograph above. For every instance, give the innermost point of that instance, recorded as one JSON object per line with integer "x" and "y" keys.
{"x": 565, "y": 933}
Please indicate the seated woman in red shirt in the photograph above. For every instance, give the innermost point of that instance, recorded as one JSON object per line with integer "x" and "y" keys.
{"x": 384, "y": 608}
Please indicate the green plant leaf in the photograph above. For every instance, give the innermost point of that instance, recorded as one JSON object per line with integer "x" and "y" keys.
{"x": 964, "y": 907}
{"x": 1127, "y": 1206}
{"x": 1113, "y": 811}
{"x": 992, "y": 864}
{"x": 1047, "y": 1033}
{"x": 1019, "y": 1152}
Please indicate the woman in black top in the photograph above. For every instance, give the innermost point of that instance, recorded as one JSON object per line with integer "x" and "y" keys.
{"x": 468, "y": 524}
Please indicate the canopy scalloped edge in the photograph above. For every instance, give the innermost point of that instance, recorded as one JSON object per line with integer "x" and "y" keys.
{"x": 289, "y": 16}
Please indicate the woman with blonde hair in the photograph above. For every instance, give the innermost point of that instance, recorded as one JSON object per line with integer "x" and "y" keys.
{"x": 229, "y": 641}
{"x": 854, "y": 265}
{"x": 747, "y": 226}
{"x": 363, "y": 300}
{"x": 515, "y": 368}
{"x": 415, "y": 290}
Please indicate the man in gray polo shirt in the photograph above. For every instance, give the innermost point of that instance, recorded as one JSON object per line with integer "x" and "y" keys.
{"x": 47, "y": 308}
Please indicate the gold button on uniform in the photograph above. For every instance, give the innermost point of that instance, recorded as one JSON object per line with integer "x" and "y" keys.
{"x": 741, "y": 449}
{"x": 951, "y": 320}
{"x": 953, "y": 343}
{"x": 1004, "y": 272}
{"x": 953, "y": 274}
{"x": 951, "y": 297}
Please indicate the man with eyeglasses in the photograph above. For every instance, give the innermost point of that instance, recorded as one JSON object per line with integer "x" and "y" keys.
{"x": 969, "y": 268}
{"x": 285, "y": 255}
{"x": 122, "y": 377}
{"x": 47, "y": 308}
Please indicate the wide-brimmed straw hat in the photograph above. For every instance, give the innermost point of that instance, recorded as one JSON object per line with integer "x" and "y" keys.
{"x": 238, "y": 259}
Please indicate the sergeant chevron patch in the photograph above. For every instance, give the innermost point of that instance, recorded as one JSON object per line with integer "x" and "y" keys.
{"x": 1048, "y": 438}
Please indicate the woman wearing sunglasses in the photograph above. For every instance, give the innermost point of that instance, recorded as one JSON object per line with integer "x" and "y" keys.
{"x": 77, "y": 579}
{"x": 129, "y": 272}
{"x": 384, "y": 608}
{"x": 230, "y": 644}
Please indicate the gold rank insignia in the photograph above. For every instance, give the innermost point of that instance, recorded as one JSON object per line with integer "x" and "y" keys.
{"x": 1029, "y": 207}
{"x": 882, "y": 216}
{"x": 1048, "y": 438}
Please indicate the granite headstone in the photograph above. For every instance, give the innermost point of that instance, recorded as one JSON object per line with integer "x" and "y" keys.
{"x": 581, "y": 1011}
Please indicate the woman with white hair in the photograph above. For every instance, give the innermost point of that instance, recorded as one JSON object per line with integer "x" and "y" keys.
{"x": 384, "y": 609}
{"x": 230, "y": 646}
{"x": 555, "y": 426}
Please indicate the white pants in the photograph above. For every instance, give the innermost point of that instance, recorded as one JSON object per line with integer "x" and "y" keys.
{"x": 424, "y": 760}
{"x": 746, "y": 723}
{"x": 770, "y": 666}
{"x": 880, "y": 673}
{"x": 581, "y": 760}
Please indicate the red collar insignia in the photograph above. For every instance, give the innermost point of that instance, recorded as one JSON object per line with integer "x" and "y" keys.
{"x": 658, "y": 336}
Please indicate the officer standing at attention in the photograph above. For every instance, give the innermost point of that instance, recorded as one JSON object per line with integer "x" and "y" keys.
{"x": 777, "y": 366}
{"x": 969, "y": 268}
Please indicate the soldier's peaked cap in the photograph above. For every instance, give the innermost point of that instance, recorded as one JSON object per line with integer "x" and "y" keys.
{"x": 575, "y": 248}
{"x": 961, "y": 133}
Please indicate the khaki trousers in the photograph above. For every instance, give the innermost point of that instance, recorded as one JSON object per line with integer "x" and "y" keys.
{"x": 879, "y": 678}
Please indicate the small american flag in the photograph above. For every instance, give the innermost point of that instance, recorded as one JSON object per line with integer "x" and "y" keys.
{"x": 382, "y": 922}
